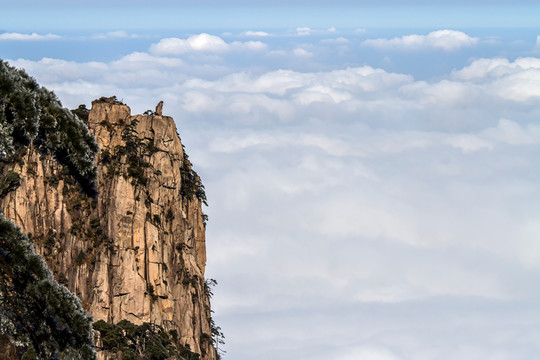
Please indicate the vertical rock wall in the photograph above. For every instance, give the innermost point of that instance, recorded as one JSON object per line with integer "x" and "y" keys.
{"x": 137, "y": 252}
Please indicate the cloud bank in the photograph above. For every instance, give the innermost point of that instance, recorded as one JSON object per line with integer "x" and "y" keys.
{"x": 251, "y": 33}
{"x": 27, "y": 37}
{"x": 447, "y": 40}
{"x": 119, "y": 34}
{"x": 204, "y": 43}
{"x": 355, "y": 212}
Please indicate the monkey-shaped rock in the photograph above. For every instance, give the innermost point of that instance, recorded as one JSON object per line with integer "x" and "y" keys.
{"x": 159, "y": 108}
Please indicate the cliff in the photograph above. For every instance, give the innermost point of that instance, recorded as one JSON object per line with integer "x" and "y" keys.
{"x": 136, "y": 251}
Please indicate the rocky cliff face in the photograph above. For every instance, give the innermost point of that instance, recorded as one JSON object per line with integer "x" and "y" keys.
{"x": 137, "y": 251}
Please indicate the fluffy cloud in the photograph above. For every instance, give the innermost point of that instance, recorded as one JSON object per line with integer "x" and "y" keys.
{"x": 518, "y": 80}
{"x": 119, "y": 34}
{"x": 495, "y": 68}
{"x": 505, "y": 132}
{"x": 249, "y": 46}
{"x": 356, "y": 91}
{"x": 340, "y": 40}
{"x": 303, "y": 31}
{"x": 299, "y": 52}
{"x": 251, "y": 33}
{"x": 447, "y": 40}
{"x": 28, "y": 37}
{"x": 203, "y": 43}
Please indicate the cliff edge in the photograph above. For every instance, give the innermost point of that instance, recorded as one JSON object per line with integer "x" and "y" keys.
{"x": 136, "y": 251}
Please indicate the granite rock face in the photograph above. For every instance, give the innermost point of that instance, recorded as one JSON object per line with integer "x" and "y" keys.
{"x": 137, "y": 251}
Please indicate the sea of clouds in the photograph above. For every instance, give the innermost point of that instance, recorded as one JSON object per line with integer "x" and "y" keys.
{"x": 355, "y": 212}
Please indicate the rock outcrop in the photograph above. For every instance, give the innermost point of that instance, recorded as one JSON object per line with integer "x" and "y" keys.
{"x": 137, "y": 251}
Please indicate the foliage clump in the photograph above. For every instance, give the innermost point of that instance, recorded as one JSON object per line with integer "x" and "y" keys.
{"x": 9, "y": 182}
{"x": 192, "y": 186}
{"x": 135, "y": 151}
{"x": 30, "y": 113}
{"x": 82, "y": 113}
{"x": 217, "y": 337}
{"x": 146, "y": 341}
{"x": 34, "y": 308}
{"x": 108, "y": 100}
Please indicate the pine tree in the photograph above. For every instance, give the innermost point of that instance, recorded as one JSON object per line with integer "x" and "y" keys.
{"x": 30, "y": 113}
{"x": 35, "y": 309}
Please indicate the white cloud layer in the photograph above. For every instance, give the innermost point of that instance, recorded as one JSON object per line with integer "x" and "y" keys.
{"x": 354, "y": 212}
{"x": 28, "y": 37}
{"x": 119, "y": 34}
{"x": 303, "y": 31}
{"x": 252, "y": 33}
{"x": 448, "y": 40}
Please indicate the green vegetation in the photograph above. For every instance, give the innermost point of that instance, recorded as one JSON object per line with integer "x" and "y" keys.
{"x": 30, "y": 113}
{"x": 109, "y": 100}
{"x": 217, "y": 337}
{"x": 192, "y": 186}
{"x": 135, "y": 151}
{"x": 34, "y": 308}
{"x": 204, "y": 219}
{"x": 9, "y": 182}
{"x": 86, "y": 226}
{"x": 36, "y": 311}
{"x": 82, "y": 113}
{"x": 146, "y": 341}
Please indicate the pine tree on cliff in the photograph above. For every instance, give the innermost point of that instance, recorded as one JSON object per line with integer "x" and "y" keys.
{"x": 34, "y": 308}
{"x": 30, "y": 113}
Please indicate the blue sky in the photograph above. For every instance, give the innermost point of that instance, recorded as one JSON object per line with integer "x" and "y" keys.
{"x": 371, "y": 167}
{"x": 212, "y": 15}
